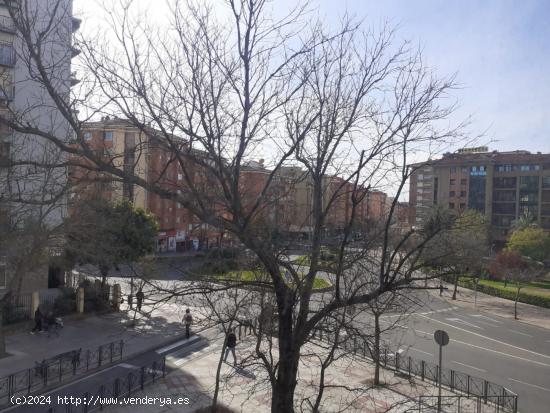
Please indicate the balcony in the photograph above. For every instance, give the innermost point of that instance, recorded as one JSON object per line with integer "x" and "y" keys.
{"x": 7, "y": 25}
{"x": 76, "y": 23}
{"x": 74, "y": 51}
{"x": 74, "y": 79}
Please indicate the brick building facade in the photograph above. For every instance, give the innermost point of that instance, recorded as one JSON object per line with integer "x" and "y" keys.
{"x": 502, "y": 185}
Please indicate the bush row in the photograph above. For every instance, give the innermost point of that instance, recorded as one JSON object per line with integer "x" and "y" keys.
{"x": 524, "y": 297}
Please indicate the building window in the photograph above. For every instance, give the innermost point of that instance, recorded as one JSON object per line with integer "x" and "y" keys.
{"x": 504, "y": 168}
{"x": 87, "y": 136}
{"x": 462, "y": 206}
{"x": 462, "y": 194}
{"x": 453, "y": 169}
{"x": 504, "y": 183}
{"x": 108, "y": 136}
{"x": 178, "y": 220}
{"x": 464, "y": 170}
{"x": 463, "y": 181}
{"x": 546, "y": 181}
{"x": 451, "y": 205}
{"x": 451, "y": 194}
{"x": 452, "y": 182}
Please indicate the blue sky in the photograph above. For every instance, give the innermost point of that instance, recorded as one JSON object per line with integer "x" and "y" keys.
{"x": 499, "y": 49}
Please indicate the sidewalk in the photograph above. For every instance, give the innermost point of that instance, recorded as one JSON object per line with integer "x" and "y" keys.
{"x": 527, "y": 313}
{"x": 91, "y": 332}
{"x": 246, "y": 389}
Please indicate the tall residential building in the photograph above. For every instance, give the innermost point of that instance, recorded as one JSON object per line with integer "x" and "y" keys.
{"x": 502, "y": 185}
{"x": 30, "y": 191}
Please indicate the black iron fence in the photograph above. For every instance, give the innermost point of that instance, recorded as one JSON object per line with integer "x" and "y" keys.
{"x": 123, "y": 386}
{"x": 458, "y": 404}
{"x": 58, "y": 369}
{"x": 17, "y": 308}
{"x": 455, "y": 381}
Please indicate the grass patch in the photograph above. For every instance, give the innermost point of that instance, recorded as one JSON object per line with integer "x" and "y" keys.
{"x": 535, "y": 293}
{"x": 251, "y": 276}
{"x": 324, "y": 264}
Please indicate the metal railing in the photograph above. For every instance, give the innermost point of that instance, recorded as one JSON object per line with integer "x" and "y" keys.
{"x": 123, "y": 386}
{"x": 455, "y": 381}
{"x": 58, "y": 369}
{"x": 17, "y": 308}
{"x": 458, "y": 404}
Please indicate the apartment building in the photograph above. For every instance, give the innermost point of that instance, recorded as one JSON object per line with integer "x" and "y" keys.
{"x": 502, "y": 185}
{"x": 286, "y": 208}
{"x": 145, "y": 155}
{"x": 23, "y": 94}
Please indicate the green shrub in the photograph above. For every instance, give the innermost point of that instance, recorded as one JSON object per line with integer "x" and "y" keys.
{"x": 501, "y": 292}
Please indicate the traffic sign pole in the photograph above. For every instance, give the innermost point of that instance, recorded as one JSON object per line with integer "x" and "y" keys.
{"x": 442, "y": 339}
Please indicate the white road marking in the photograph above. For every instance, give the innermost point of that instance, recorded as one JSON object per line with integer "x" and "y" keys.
{"x": 459, "y": 320}
{"x": 518, "y": 332}
{"x": 489, "y": 338}
{"x": 421, "y": 351}
{"x": 488, "y": 318}
{"x": 500, "y": 352}
{"x": 427, "y": 312}
{"x": 177, "y": 344}
{"x": 467, "y": 365}
{"x": 529, "y": 384}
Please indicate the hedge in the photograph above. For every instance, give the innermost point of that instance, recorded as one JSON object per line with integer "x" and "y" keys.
{"x": 524, "y": 297}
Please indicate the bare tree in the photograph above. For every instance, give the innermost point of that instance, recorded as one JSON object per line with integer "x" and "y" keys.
{"x": 218, "y": 87}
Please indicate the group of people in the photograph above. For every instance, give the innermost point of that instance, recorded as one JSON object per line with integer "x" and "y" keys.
{"x": 230, "y": 339}
{"x": 49, "y": 321}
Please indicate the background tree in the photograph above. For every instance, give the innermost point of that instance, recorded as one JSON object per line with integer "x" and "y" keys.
{"x": 526, "y": 220}
{"x": 219, "y": 87}
{"x": 532, "y": 242}
{"x": 106, "y": 235}
{"x": 461, "y": 251}
{"x": 519, "y": 270}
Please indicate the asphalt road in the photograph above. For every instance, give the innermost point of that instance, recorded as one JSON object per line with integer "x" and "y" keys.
{"x": 510, "y": 353}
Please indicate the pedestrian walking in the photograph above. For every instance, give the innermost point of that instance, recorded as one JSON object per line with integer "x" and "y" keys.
{"x": 139, "y": 297}
{"x": 230, "y": 344}
{"x": 37, "y": 320}
{"x": 130, "y": 301}
{"x": 188, "y": 320}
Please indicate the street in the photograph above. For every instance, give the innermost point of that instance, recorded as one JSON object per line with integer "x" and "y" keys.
{"x": 510, "y": 353}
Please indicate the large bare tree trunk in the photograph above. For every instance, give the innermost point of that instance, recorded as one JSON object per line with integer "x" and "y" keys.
{"x": 289, "y": 356}
{"x": 283, "y": 390}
